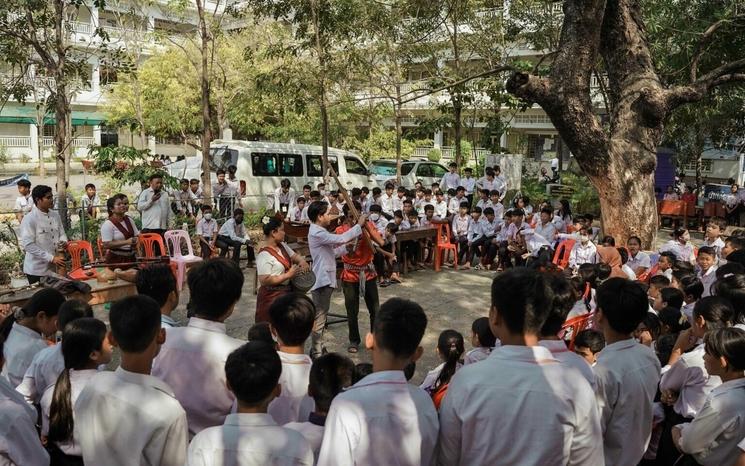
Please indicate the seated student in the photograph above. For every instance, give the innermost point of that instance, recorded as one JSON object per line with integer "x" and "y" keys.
{"x": 476, "y": 239}
{"x": 583, "y": 251}
{"x": 329, "y": 376}
{"x": 129, "y": 417}
{"x": 706, "y": 262}
{"x": 203, "y": 345}
{"x": 251, "y": 436}
{"x": 680, "y": 245}
{"x": 483, "y": 341}
{"x": 496, "y": 203}
{"x": 692, "y": 289}
{"x": 385, "y": 259}
{"x": 731, "y": 245}
{"x": 484, "y": 201}
{"x": 588, "y": 344}
{"x": 656, "y": 284}
{"x": 233, "y": 234}
{"x": 48, "y": 363}
{"x": 638, "y": 261}
{"x": 399, "y": 198}
{"x": 299, "y": 212}
{"x": 84, "y": 348}
{"x": 441, "y": 206}
{"x": 460, "y": 228}
{"x": 456, "y": 200}
{"x": 24, "y": 332}
{"x": 19, "y": 440}
{"x": 413, "y": 248}
{"x": 376, "y": 216}
{"x": 491, "y": 226}
{"x": 713, "y": 236}
{"x": 450, "y": 349}
{"x": 626, "y": 372}
{"x": 669, "y": 297}
{"x": 207, "y": 229}
{"x": 665, "y": 264}
{"x": 630, "y": 274}
{"x": 712, "y": 437}
{"x": 382, "y": 419}
{"x": 477, "y": 419}
{"x": 584, "y": 296}
{"x": 291, "y": 319}
{"x": 158, "y": 282}
{"x": 512, "y": 247}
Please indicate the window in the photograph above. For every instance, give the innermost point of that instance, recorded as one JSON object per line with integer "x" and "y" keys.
{"x": 290, "y": 165}
{"x": 354, "y": 166}
{"x": 264, "y": 164}
{"x": 438, "y": 171}
{"x": 315, "y": 164}
{"x": 424, "y": 170}
{"x": 383, "y": 169}
{"x": 50, "y": 131}
{"x": 406, "y": 168}
{"x": 222, "y": 157}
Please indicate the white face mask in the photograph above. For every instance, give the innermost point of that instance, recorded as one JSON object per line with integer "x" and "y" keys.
{"x": 374, "y": 217}
{"x": 208, "y": 216}
{"x": 584, "y": 238}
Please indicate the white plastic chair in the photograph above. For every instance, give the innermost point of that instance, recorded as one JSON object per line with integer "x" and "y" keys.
{"x": 173, "y": 243}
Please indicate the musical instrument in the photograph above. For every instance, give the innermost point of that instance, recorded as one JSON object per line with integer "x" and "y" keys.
{"x": 352, "y": 209}
{"x": 137, "y": 261}
{"x": 303, "y": 281}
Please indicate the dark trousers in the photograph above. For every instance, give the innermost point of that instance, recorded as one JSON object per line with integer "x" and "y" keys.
{"x": 352, "y": 303}
{"x": 462, "y": 249}
{"x": 33, "y": 278}
{"x": 411, "y": 250}
{"x": 206, "y": 250}
{"x": 505, "y": 256}
{"x": 477, "y": 248}
{"x": 156, "y": 246}
{"x": 225, "y": 243}
{"x": 667, "y": 452}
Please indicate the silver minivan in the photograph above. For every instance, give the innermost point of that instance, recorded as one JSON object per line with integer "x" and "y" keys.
{"x": 423, "y": 170}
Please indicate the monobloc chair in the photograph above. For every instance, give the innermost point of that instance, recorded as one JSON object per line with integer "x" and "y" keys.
{"x": 174, "y": 239}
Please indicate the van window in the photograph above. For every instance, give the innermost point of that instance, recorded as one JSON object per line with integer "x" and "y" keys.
{"x": 354, "y": 166}
{"x": 315, "y": 164}
{"x": 222, "y": 157}
{"x": 406, "y": 168}
{"x": 290, "y": 165}
{"x": 438, "y": 170}
{"x": 423, "y": 170}
{"x": 264, "y": 164}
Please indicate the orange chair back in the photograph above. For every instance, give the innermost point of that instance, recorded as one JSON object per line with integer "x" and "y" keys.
{"x": 444, "y": 235}
{"x": 76, "y": 249}
{"x": 561, "y": 256}
{"x": 99, "y": 243}
{"x": 148, "y": 240}
{"x": 573, "y": 326}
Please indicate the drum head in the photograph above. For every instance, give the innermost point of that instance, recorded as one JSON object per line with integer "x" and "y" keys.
{"x": 303, "y": 282}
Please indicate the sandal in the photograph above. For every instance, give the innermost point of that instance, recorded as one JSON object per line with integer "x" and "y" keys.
{"x": 352, "y": 349}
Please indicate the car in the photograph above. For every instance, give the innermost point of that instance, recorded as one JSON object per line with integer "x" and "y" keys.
{"x": 413, "y": 170}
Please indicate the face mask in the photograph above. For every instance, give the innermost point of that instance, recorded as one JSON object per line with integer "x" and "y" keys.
{"x": 584, "y": 238}
{"x": 374, "y": 217}
{"x": 208, "y": 216}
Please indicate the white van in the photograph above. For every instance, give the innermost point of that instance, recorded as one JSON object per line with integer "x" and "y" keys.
{"x": 262, "y": 165}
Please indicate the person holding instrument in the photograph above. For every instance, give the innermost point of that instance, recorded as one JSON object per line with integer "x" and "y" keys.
{"x": 276, "y": 265}
{"x": 119, "y": 232}
{"x": 42, "y": 234}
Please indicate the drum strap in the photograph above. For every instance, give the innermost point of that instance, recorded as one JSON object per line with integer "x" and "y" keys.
{"x": 283, "y": 258}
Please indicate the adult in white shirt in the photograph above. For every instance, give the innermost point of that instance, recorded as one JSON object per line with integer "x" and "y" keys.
{"x": 283, "y": 197}
{"x": 155, "y": 208}
{"x": 450, "y": 180}
{"x": 639, "y": 260}
{"x": 129, "y": 417}
{"x": 551, "y": 402}
{"x": 24, "y": 202}
{"x": 382, "y": 419}
{"x": 202, "y": 347}
{"x": 233, "y": 235}
{"x": 583, "y": 251}
{"x": 42, "y": 234}
{"x": 325, "y": 247}
{"x": 627, "y": 373}
{"x": 680, "y": 245}
{"x": 250, "y": 437}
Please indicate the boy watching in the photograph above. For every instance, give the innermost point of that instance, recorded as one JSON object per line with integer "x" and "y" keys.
{"x": 669, "y": 297}
{"x": 329, "y": 376}
{"x": 627, "y": 373}
{"x": 706, "y": 260}
{"x": 24, "y": 202}
{"x": 207, "y": 229}
{"x": 656, "y": 284}
{"x": 158, "y": 282}
{"x": 382, "y": 409}
{"x": 478, "y": 414}
{"x": 713, "y": 237}
{"x": 251, "y": 436}
{"x": 128, "y": 416}
{"x": 665, "y": 264}
{"x": 291, "y": 321}
{"x": 202, "y": 347}
{"x": 90, "y": 200}
{"x": 588, "y": 344}
{"x": 693, "y": 290}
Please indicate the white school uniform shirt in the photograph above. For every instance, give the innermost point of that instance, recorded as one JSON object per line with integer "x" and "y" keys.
{"x": 313, "y": 433}
{"x": 682, "y": 252}
{"x": 629, "y": 272}
{"x": 449, "y": 181}
{"x": 398, "y": 202}
{"x": 46, "y": 366}
{"x": 582, "y": 254}
{"x": 483, "y": 204}
{"x": 547, "y": 231}
{"x": 477, "y": 354}
{"x": 454, "y": 205}
{"x": 713, "y": 434}
{"x": 386, "y": 203}
{"x": 206, "y": 228}
{"x": 249, "y": 440}
{"x": 557, "y": 417}
{"x": 688, "y": 377}
{"x": 461, "y": 225}
{"x": 490, "y": 229}
{"x": 431, "y": 377}
{"x": 476, "y": 230}
{"x": 324, "y": 248}
{"x": 380, "y": 420}
{"x": 293, "y": 404}
{"x": 279, "y": 197}
{"x": 296, "y": 214}
{"x": 500, "y": 184}
{"x": 78, "y": 381}
{"x": 717, "y": 244}
{"x": 40, "y": 233}
{"x": 184, "y": 200}
{"x": 627, "y": 374}
{"x": 687, "y": 310}
{"x": 233, "y": 231}
{"x": 24, "y": 204}
{"x": 441, "y": 209}
{"x": 640, "y": 260}
{"x": 485, "y": 183}
{"x": 155, "y": 214}
{"x": 498, "y": 210}
{"x": 19, "y": 441}
{"x": 560, "y": 351}
{"x": 469, "y": 184}
{"x": 192, "y": 363}
{"x": 123, "y": 418}
{"x": 707, "y": 279}
{"x": 20, "y": 348}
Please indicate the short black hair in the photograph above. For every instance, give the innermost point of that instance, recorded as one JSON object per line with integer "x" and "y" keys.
{"x": 409, "y": 370}
{"x": 214, "y": 286}
{"x": 660, "y": 281}
{"x": 623, "y": 303}
{"x": 24, "y": 183}
{"x": 564, "y": 298}
{"x": 292, "y": 316}
{"x": 692, "y": 286}
{"x": 670, "y": 256}
{"x": 399, "y": 327}
{"x": 488, "y": 211}
{"x": 547, "y": 210}
{"x": 39, "y": 192}
{"x": 156, "y": 281}
{"x": 316, "y": 209}
{"x": 673, "y": 318}
{"x": 91, "y": 185}
{"x": 716, "y": 311}
{"x": 482, "y": 329}
{"x": 707, "y": 250}
{"x": 672, "y": 296}
{"x": 609, "y": 240}
{"x": 361, "y": 370}
{"x": 253, "y": 371}
{"x": 330, "y": 374}
{"x": 729, "y": 268}
{"x": 73, "y": 309}
{"x": 135, "y": 322}
{"x": 728, "y": 343}
{"x": 238, "y": 211}
{"x": 736, "y": 242}
{"x": 260, "y": 331}
{"x": 523, "y": 299}
{"x": 590, "y": 338}
{"x": 46, "y": 300}
{"x": 376, "y": 208}
{"x": 155, "y": 176}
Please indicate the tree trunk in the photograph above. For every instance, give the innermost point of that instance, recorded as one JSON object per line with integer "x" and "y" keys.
{"x": 206, "y": 116}
{"x": 61, "y": 109}
{"x": 40, "y": 147}
{"x": 399, "y": 133}
{"x": 458, "y": 129}
{"x": 138, "y": 112}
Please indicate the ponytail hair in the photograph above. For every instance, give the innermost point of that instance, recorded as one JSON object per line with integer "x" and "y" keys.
{"x": 716, "y": 311}
{"x": 451, "y": 347}
{"x": 79, "y": 339}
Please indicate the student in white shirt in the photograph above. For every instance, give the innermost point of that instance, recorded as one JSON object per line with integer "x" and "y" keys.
{"x": 203, "y": 346}
{"x": 158, "y": 282}
{"x": 692, "y": 289}
{"x": 455, "y": 201}
{"x": 291, "y": 319}
{"x": 583, "y": 251}
{"x": 714, "y": 230}
{"x": 207, "y": 229}
{"x": 25, "y": 332}
{"x": 250, "y": 437}
{"x": 468, "y": 182}
{"x": 450, "y": 349}
{"x": 460, "y": 227}
{"x": 680, "y": 245}
{"x": 386, "y": 201}
{"x": 712, "y": 437}
{"x": 441, "y": 206}
{"x": 627, "y": 373}
{"x": 129, "y": 417}
{"x": 487, "y": 182}
{"x": 90, "y": 201}
{"x": 48, "y": 363}
{"x": 545, "y": 227}
{"x": 19, "y": 441}
{"x": 450, "y": 180}
{"x": 299, "y": 212}
{"x": 484, "y": 199}
{"x": 184, "y": 199}
{"x": 639, "y": 261}
{"x": 588, "y": 344}
{"x": 382, "y": 419}
{"x": 24, "y": 202}
{"x": 500, "y": 183}
{"x": 41, "y": 234}
{"x": 233, "y": 234}
{"x": 707, "y": 268}
{"x": 283, "y": 197}
{"x": 476, "y": 239}
{"x": 483, "y": 341}
{"x": 84, "y": 348}
{"x": 330, "y": 375}
{"x": 519, "y": 384}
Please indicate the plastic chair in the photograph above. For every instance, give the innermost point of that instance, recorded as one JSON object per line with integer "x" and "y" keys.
{"x": 561, "y": 256}
{"x": 76, "y": 249}
{"x": 573, "y": 326}
{"x": 101, "y": 249}
{"x": 649, "y": 273}
{"x": 174, "y": 238}
{"x": 147, "y": 240}
{"x": 442, "y": 244}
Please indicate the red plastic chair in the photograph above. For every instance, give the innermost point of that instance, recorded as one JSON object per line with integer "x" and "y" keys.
{"x": 561, "y": 256}
{"x": 76, "y": 249}
{"x": 649, "y": 273}
{"x": 442, "y": 244}
{"x": 147, "y": 240}
{"x": 573, "y": 326}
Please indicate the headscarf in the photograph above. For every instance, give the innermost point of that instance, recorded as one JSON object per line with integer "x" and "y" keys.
{"x": 609, "y": 255}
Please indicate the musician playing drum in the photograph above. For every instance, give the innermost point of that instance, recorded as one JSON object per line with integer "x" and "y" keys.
{"x": 119, "y": 233}
{"x": 276, "y": 265}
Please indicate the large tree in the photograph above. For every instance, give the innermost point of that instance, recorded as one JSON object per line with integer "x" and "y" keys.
{"x": 619, "y": 157}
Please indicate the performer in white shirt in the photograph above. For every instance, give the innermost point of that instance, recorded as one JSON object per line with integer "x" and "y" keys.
{"x": 155, "y": 208}
{"x": 450, "y": 180}
{"x": 24, "y": 202}
{"x": 42, "y": 234}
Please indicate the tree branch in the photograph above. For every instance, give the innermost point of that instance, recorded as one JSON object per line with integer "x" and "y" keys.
{"x": 703, "y": 42}
{"x": 728, "y": 73}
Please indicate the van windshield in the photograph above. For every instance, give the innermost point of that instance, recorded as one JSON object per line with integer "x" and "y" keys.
{"x": 222, "y": 157}
{"x": 389, "y": 169}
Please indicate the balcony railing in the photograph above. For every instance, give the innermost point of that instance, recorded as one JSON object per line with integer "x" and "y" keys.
{"x": 15, "y": 141}
{"x": 448, "y": 153}
{"x": 81, "y": 28}
{"x": 77, "y": 143}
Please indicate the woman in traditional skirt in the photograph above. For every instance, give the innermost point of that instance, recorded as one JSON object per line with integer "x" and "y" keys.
{"x": 119, "y": 233}
{"x": 276, "y": 264}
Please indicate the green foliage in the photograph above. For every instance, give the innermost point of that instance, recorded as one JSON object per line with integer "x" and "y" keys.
{"x": 583, "y": 200}
{"x": 253, "y": 219}
{"x": 4, "y": 156}
{"x": 126, "y": 165}
{"x": 434, "y": 154}
{"x": 380, "y": 145}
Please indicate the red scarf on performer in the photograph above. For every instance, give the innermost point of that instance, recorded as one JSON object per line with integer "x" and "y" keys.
{"x": 283, "y": 258}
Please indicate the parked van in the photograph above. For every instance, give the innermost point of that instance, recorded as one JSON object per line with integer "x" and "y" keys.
{"x": 262, "y": 165}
